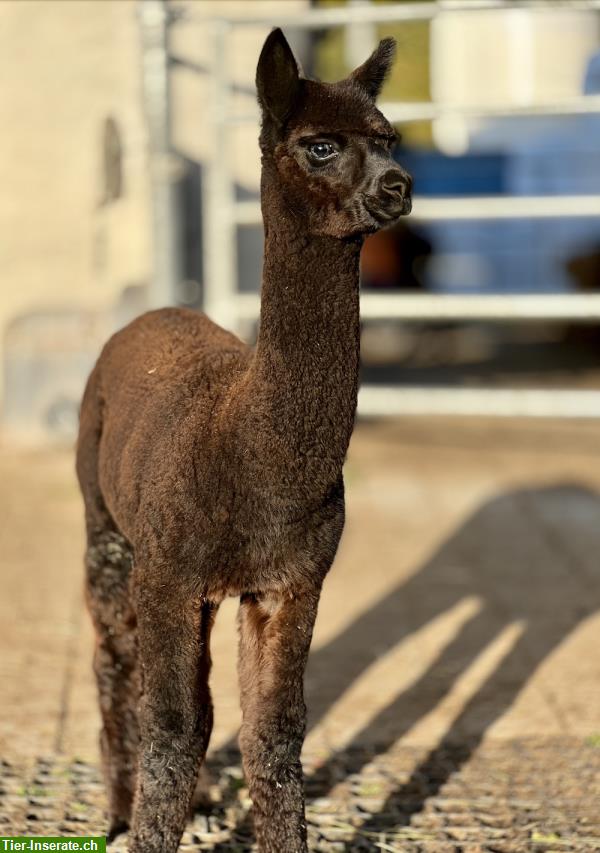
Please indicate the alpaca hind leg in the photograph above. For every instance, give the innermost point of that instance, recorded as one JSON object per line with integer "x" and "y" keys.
{"x": 275, "y": 638}
{"x": 108, "y": 564}
{"x": 175, "y": 712}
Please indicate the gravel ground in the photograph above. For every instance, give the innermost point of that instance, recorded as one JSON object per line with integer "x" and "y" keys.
{"x": 523, "y": 796}
{"x": 454, "y": 682}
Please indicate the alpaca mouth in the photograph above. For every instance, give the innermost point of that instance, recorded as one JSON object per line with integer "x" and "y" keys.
{"x": 386, "y": 213}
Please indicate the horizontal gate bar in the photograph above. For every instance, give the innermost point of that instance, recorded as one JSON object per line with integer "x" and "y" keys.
{"x": 376, "y": 401}
{"x": 432, "y": 209}
{"x": 584, "y": 308}
{"x": 401, "y": 112}
{"x": 405, "y": 112}
{"x": 321, "y": 18}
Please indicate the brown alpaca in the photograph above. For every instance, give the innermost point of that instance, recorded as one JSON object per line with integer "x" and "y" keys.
{"x": 210, "y": 469}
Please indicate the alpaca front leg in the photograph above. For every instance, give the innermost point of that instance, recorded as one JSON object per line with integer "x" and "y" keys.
{"x": 275, "y": 636}
{"x": 175, "y": 714}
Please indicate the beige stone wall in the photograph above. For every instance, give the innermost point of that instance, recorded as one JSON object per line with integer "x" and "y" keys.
{"x": 65, "y": 66}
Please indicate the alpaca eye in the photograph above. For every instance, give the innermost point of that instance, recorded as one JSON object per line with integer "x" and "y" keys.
{"x": 322, "y": 150}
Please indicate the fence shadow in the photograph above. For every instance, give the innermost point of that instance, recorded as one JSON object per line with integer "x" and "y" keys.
{"x": 529, "y": 556}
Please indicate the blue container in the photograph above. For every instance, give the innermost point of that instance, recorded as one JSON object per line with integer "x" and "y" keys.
{"x": 435, "y": 174}
{"x": 552, "y": 156}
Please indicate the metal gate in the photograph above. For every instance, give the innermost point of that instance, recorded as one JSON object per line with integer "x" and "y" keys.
{"x": 224, "y": 214}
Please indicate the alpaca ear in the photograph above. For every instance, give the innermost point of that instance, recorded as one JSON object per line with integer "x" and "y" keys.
{"x": 277, "y": 77}
{"x": 372, "y": 73}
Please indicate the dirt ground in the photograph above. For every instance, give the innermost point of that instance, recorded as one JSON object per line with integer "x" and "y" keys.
{"x": 454, "y": 682}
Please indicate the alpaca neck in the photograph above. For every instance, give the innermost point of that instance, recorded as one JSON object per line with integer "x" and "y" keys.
{"x": 307, "y": 355}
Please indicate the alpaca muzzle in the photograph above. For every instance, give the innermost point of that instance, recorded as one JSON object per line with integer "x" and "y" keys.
{"x": 392, "y": 197}
{"x": 395, "y": 192}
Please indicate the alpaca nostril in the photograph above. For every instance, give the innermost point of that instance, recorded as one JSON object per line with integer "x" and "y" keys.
{"x": 397, "y": 182}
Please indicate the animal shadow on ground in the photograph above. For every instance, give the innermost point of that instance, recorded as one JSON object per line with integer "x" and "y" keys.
{"x": 529, "y": 557}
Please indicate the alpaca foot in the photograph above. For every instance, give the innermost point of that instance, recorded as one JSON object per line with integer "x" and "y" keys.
{"x": 202, "y": 800}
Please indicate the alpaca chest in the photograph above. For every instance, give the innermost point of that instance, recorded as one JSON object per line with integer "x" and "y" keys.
{"x": 285, "y": 541}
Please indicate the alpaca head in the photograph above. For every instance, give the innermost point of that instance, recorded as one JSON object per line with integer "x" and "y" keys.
{"x": 329, "y": 145}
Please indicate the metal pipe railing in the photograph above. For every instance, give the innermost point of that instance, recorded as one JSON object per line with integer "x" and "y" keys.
{"x": 323, "y": 18}
{"x": 374, "y": 401}
{"x": 432, "y": 208}
{"x": 498, "y": 308}
{"x": 406, "y": 112}
{"x": 219, "y": 244}
{"x": 223, "y": 214}
{"x": 164, "y": 165}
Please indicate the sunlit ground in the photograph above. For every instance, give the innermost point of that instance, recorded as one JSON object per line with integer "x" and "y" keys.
{"x": 463, "y": 608}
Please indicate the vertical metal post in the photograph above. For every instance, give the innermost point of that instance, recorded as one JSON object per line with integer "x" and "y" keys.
{"x": 521, "y": 41}
{"x": 359, "y": 39}
{"x": 218, "y": 215}
{"x": 165, "y": 167}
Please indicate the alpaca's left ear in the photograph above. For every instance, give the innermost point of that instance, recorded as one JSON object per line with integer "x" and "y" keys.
{"x": 371, "y": 74}
{"x": 277, "y": 78}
